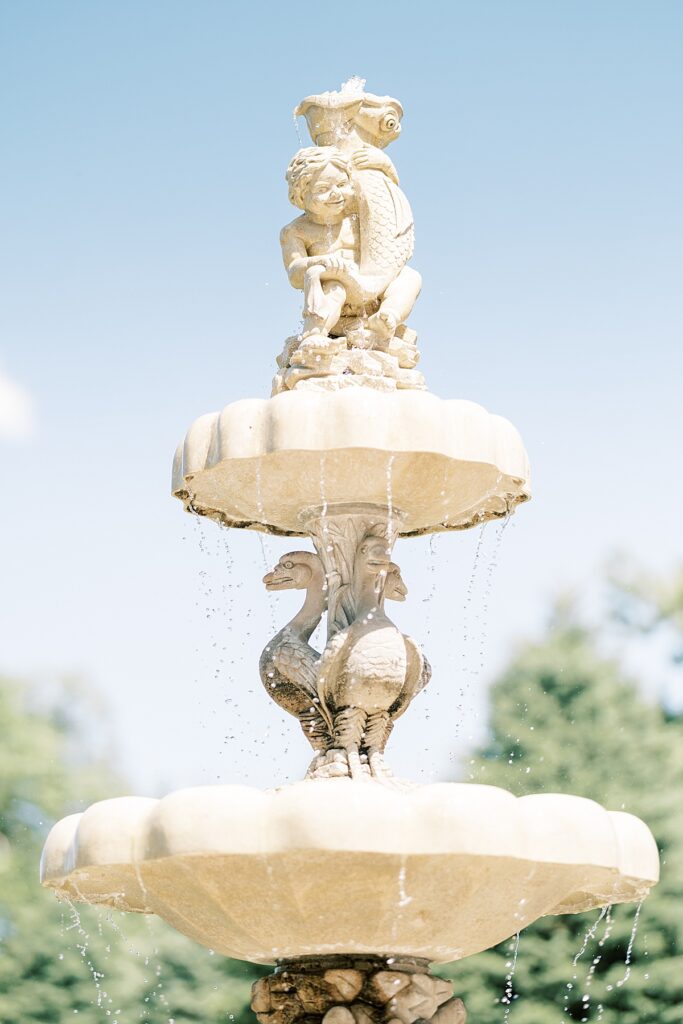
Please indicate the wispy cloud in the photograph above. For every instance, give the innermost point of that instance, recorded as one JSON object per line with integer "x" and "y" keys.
{"x": 17, "y": 420}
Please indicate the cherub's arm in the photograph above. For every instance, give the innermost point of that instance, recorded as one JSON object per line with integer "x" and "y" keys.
{"x": 295, "y": 255}
{"x": 370, "y": 158}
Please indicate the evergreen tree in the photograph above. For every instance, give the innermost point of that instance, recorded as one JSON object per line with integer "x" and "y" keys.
{"x": 58, "y": 961}
{"x": 564, "y": 720}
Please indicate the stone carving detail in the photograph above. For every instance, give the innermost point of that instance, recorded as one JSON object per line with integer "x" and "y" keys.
{"x": 348, "y": 697}
{"x": 349, "y": 249}
{"x": 355, "y": 990}
{"x": 288, "y": 664}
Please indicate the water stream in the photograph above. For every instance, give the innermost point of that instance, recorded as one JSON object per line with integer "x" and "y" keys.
{"x": 509, "y": 996}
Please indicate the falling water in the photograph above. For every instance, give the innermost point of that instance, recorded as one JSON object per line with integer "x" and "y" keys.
{"x": 82, "y": 947}
{"x": 431, "y": 576}
{"x": 297, "y": 129}
{"x": 571, "y": 985}
{"x": 629, "y": 951}
{"x": 390, "y": 496}
{"x": 488, "y": 587}
{"x": 268, "y": 560}
{"x": 403, "y": 898}
{"x": 508, "y": 995}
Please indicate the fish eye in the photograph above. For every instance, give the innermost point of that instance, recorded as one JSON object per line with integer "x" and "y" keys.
{"x": 288, "y": 565}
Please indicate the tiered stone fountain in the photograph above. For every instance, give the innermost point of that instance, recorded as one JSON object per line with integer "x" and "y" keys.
{"x": 350, "y": 882}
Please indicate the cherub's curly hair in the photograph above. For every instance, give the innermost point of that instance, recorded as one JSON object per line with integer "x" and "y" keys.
{"x": 306, "y": 164}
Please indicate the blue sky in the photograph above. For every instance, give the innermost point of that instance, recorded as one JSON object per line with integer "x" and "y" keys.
{"x": 142, "y": 195}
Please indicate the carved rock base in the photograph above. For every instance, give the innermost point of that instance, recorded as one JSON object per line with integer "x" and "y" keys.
{"x": 355, "y": 990}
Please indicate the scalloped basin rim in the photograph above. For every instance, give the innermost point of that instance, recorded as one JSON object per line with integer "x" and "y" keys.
{"x": 259, "y": 461}
{"x": 327, "y": 866}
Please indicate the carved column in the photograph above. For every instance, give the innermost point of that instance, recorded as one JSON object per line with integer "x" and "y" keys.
{"x": 336, "y": 532}
{"x": 355, "y": 990}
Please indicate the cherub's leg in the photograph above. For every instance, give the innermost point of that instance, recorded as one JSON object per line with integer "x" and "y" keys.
{"x": 323, "y": 302}
{"x": 397, "y": 304}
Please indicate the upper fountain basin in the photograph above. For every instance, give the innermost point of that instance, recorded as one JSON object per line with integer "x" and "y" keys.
{"x": 262, "y": 463}
{"x": 336, "y": 866}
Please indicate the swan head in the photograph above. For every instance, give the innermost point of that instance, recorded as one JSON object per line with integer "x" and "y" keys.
{"x": 394, "y": 588}
{"x": 373, "y": 557}
{"x": 295, "y": 571}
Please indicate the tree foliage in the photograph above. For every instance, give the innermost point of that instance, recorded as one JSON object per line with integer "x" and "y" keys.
{"x": 58, "y": 961}
{"x": 564, "y": 719}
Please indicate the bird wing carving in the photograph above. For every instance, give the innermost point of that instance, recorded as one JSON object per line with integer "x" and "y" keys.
{"x": 297, "y": 661}
{"x": 329, "y": 668}
{"x": 418, "y": 674}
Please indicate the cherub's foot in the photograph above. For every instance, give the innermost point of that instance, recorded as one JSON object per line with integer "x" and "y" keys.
{"x": 313, "y": 344}
{"x": 383, "y": 325}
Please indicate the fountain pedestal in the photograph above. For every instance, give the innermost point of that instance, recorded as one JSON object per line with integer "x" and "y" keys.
{"x": 355, "y": 990}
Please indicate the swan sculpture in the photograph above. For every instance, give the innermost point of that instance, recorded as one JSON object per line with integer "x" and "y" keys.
{"x": 370, "y": 671}
{"x": 288, "y": 664}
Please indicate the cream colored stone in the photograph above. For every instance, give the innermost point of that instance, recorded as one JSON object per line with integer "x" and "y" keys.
{"x": 337, "y": 866}
{"x": 452, "y": 1012}
{"x": 264, "y": 463}
{"x": 348, "y": 250}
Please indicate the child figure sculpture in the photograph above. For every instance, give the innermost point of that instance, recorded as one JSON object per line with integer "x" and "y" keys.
{"x": 349, "y": 249}
{"x": 322, "y": 254}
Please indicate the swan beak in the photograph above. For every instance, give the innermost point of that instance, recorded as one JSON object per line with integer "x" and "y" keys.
{"x": 275, "y": 580}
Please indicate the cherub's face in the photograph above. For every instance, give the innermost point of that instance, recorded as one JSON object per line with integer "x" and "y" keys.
{"x": 328, "y": 195}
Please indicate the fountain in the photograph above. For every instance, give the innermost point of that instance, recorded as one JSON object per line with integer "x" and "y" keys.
{"x": 351, "y": 882}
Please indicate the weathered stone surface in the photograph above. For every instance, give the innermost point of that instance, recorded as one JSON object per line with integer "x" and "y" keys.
{"x": 305, "y": 990}
{"x": 451, "y": 1012}
{"x": 349, "y": 248}
{"x": 438, "y": 872}
{"x": 348, "y": 697}
{"x": 344, "y": 984}
{"x": 264, "y": 463}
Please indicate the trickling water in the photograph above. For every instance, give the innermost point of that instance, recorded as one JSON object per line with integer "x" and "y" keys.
{"x": 297, "y": 129}
{"x": 467, "y": 608}
{"x": 629, "y": 950}
{"x": 259, "y": 495}
{"x": 403, "y": 898}
{"x": 431, "y": 576}
{"x": 268, "y": 562}
{"x": 390, "y": 496}
{"x": 508, "y": 995}
{"x": 571, "y": 985}
{"x": 82, "y": 947}
{"x": 488, "y": 587}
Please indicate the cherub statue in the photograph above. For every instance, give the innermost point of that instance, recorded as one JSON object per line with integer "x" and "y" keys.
{"x": 323, "y": 256}
{"x": 349, "y": 250}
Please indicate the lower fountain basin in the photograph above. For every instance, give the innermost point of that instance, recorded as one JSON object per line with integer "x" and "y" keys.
{"x": 336, "y": 866}
{"x": 262, "y": 462}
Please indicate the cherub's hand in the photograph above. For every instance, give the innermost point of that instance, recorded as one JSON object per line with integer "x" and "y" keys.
{"x": 368, "y": 158}
{"x": 333, "y": 261}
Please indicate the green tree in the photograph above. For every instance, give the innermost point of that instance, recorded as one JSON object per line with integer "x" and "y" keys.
{"x": 564, "y": 719}
{"x": 57, "y": 961}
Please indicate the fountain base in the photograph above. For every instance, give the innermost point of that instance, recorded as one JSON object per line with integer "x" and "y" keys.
{"x": 355, "y": 990}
